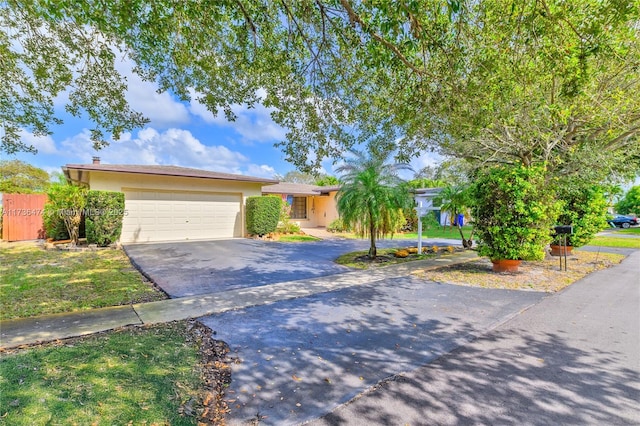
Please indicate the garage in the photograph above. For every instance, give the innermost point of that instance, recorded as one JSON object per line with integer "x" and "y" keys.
{"x": 171, "y": 203}
{"x": 175, "y": 216}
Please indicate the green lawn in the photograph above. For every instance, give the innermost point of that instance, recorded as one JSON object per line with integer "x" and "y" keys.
{"x": 37, "y": 281}
{"x": 615, "y": 242}
{"x": 633, "y": 231}
{"x": 132, "y": 376}
{"x": 292, "y": 238}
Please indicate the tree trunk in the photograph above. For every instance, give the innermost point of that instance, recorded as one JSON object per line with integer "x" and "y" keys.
{"x": 373, "y": 252}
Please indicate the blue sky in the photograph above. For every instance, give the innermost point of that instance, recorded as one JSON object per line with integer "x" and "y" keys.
{"x": 181, "y": 134}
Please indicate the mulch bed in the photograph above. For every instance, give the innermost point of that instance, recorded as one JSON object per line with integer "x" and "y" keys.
{"x": 544, "y": 275}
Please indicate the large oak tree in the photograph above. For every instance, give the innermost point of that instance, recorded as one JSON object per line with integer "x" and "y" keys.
{"x": 488, "y": 81}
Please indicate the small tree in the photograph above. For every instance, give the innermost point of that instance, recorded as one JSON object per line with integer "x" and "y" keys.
{"x": 456, "y": 200}
{"x": 372, "y": 196}
{"x": 263, "y": 214}
{"x": 513, "y": 211}
{"x": 105, "y": 210}
{"x": 67, "y": 202}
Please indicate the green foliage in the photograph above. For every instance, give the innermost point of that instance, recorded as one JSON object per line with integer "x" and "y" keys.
{"x": 135, "y": 375}
{"x": 285, "y": 226}
{"x": 18, "y": 177}
{"x": 327, "y": 180}
{"x": 630, "y": 203}
{"x": 295, "y": 176}
{"x": 67, "y": 202}
{"x": 513, "y": 212}
{"x": 39, "y": 282}
{"x": 105, "y": 210}
{"x": 338, "y": 225}
{"x": 263, "y": 214}
{"x": 585, "y": 208}
{"x": 456, "y": 200}
{"x": 372, "y": 196}
{"x": 491, "y": 80}
{"x": 54, "y": 226}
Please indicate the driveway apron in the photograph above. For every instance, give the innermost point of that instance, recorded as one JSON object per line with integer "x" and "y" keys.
{"x": 205, "y": 267}
{"x": 299, "y": 358}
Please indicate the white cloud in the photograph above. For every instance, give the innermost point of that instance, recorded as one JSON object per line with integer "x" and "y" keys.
{"x": 253, "y": 124}
{"x": 175, "y": 147}
{"x": 261, "y": 170}
{"x": 161, "y": 108}
{"x": 426, "y": 159}
{"x": 44, "y": 144}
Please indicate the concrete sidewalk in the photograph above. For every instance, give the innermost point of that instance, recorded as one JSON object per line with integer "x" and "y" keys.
{"x": 15, "y": 333}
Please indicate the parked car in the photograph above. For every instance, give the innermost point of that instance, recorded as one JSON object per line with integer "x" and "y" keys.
{"x": 622, "y": 221}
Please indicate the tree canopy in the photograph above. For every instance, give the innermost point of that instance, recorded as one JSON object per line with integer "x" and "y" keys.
{"x": 490, "y": 81}
{"x": 18, "y": 177}
{"x": 630, "y": 203}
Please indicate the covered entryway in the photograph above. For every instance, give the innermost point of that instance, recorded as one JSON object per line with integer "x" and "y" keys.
{"x": 180, "y": 215}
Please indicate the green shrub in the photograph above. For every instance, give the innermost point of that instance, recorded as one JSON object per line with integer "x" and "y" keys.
{"x": 513, "y": 211}
{"x": 584, "y": 208}
{"x": 285, "y": 226}
{"x": 54, "y": 226}
{"x": 263, "y": 214}
{"x": 104, "y": 213}
{"x": 67, "y": 202}
{"x": 338, "y": 225}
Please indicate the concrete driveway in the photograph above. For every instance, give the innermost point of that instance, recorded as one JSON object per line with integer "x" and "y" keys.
{"x": 203, "y": 267}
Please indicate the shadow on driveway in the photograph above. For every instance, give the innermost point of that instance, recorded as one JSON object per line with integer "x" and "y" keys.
{"x": 300, "y": 358}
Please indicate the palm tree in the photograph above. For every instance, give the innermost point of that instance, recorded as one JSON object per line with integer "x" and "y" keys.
{"x": 372, "y": 196}
{"x": 455, "y": 200}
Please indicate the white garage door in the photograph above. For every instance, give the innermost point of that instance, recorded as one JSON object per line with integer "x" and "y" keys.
{"x": 179, "y": 216}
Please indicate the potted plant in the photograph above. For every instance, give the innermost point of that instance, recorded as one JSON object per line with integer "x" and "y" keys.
{"x": 513, "y": 210}
{"x": 584, "y": 207}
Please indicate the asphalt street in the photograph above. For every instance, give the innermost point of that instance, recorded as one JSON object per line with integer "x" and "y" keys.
{"x": 572, "y": 359}
{"x": 298, "y": 359}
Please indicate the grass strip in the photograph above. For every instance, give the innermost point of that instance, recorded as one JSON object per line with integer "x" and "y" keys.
{"x": 129, "y": 376}
{"x": 615, "y": 242}
{"x": 39, "y": 282}
{"x": 285, "y": 238}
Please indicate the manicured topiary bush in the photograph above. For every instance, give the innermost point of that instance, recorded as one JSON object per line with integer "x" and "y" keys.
{"x": 263, "y": 214}
{"x": 103, "y": 220}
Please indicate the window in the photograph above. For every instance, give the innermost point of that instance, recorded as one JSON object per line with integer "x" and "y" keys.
{"x": 299, "y": 208}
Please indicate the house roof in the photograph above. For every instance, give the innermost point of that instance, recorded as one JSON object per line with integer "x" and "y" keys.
{"x": 159, "y": 171}
{"x": 290, "y": 188}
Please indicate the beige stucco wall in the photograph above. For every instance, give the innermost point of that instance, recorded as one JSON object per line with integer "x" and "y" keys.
{"x": 106, "y": 181}
{"x": 109, "y": 181}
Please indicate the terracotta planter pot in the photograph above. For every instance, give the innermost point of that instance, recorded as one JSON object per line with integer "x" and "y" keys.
{"x": 505, "y": 265}
{"x": 559, "y": 250}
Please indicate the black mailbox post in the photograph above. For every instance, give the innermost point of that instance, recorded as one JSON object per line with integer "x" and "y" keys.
{"x": 563, "y": 231}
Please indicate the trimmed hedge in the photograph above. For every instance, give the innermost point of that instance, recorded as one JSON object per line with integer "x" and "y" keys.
{"x": 104, "y": 213}
{"x": 263, "y": 214}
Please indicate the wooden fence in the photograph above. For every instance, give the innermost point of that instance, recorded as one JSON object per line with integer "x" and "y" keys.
{"x": 22, "y": 216}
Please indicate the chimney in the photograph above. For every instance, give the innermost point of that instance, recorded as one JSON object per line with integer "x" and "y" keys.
{"x": 96, "y": 160}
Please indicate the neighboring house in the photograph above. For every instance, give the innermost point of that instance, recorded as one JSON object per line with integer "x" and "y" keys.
{"x": 169, "y": 203}
{"x": 311, "y": 206}
{"x": 424, "y": 204}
